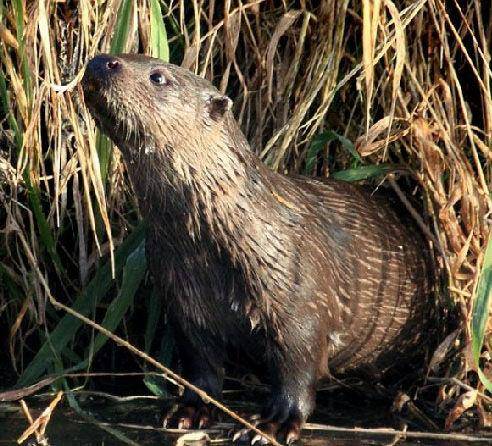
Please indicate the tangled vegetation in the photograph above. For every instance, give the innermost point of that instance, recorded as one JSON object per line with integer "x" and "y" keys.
{"x": 395, "y": 93}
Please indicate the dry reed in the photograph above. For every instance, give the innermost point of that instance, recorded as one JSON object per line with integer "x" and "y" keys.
{"x": 408, "y": 82}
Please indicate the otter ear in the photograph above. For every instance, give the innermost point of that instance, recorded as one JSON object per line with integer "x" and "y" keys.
{"x": 218, "y": 105}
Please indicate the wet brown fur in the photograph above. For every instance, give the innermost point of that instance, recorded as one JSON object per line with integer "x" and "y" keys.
{"x": 305, "y": 274}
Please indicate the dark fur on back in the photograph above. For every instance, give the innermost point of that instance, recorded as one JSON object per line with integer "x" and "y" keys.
{"x": 304, "y": 273}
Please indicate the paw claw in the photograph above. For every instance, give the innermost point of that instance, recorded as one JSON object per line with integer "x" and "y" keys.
{"x": 260, "y": 439}
{"x": 291, "y": 437}
{"x": 241, "y": 435}
{"x": 203, "y": 423}
{"x": 282, "y": 423}
{"x": 189, "y": 417}
{"x": 184, "y": 423}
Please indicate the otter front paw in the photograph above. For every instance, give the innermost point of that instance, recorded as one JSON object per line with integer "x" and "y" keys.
{"x": 281, "y": 420}
{"x": 188, "y": 416}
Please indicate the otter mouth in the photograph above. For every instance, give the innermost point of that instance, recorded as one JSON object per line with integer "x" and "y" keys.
{"x": 99, "y": 109}
{"x": 109, "y": 113}
{"x": 120, "y": 129}
{"x": 95, "y": 99}
{"x": 95, "y": 81}
{"x": 100, "y": 73}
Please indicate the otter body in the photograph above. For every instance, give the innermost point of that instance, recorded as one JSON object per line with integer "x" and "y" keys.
{"x": 306, "y": 275}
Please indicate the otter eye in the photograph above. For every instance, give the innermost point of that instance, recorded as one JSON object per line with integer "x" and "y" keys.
{"x": 158, "y": 78}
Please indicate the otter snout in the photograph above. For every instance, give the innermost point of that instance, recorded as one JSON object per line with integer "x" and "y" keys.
{"x": 99, "y": 72}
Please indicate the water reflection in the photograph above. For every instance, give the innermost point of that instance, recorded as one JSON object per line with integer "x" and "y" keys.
{"x": 134, "y": 421}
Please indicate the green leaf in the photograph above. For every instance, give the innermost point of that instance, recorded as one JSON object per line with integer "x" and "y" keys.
{"x": 26, "y": 73}
{"x": 158, "y": 35}
{"x": 363, "y": 172}
{"x": 84, "y": 304}
{"x": 44, "y": 229}
{"x": 7, "y": 111}
{"x": 155, "y": 383}
{"x": 316, "y": 146}
{"x": 481, "y": 310}
{"x": 133, "y": 273}
{"x": 319, "y": 143}
{"x": 154, "y": 310}
{"x": 123, "y": 27}
{"x": 104, "y": 149}
{"x": 485, "y": 381}
{"x": 348, "y": 146}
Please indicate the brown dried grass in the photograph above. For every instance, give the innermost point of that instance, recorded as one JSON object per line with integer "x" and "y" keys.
{"x": 408, "y": 81}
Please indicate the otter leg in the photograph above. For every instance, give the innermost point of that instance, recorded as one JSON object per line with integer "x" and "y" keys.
{"x": 291, "y": 402}
{"x": 202, "y": 367}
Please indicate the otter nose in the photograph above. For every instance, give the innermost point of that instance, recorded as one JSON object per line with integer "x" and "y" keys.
{"x": 102, "y": 66}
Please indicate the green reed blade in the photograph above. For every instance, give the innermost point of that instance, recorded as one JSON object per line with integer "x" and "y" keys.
{"x": 481, "y": 310}
{"x": 84, "y": 304}
{"x": 363, "y": 172}
{"x": 133, "y": 274}
{"x": 158, "y": 35}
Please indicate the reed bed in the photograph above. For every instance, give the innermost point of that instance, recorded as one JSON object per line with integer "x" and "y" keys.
{"x": 394, "y": 93}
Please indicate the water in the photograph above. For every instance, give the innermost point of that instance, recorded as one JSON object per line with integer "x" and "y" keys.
{"x": 134, "y": 421}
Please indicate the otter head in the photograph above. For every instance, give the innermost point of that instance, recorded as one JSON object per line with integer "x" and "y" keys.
{"x": 142, "y": 102}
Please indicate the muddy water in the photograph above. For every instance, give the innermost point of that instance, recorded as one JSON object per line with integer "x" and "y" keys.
{"x": 106, "y": 421}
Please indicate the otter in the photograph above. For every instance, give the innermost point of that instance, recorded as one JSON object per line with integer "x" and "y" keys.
{"x": 308, "y": 275}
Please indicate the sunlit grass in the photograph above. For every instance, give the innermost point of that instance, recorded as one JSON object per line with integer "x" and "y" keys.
{"x": 352, "y": 90}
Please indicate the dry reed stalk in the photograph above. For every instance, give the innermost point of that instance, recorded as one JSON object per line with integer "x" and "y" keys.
{"x": 294, "y": 72}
